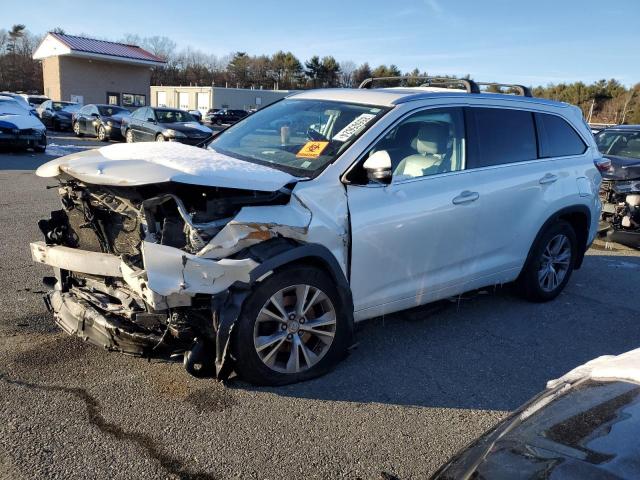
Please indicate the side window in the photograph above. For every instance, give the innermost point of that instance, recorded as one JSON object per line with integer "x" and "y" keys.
{"x": 84, "y": 111}
{"x": 139, "y": 113}
{"x": 557, "y": 137}
{"x": 426, "y": 143}
{"x": 499, "y": 135}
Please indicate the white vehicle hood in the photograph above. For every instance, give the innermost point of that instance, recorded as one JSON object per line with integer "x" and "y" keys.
{"x": 147, "y": 163}
{"x": 625, "y": 366}
{"x": 24, "y": 120}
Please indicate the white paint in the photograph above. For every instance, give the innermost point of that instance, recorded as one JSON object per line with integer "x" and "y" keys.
{"x": 51, "y": 47}
{"x": 172, "y": 271}
{"x": 148, "y": 163}
{"x": 94, "y": 263}
{"x": 19, "y": 117}
{"x": 625, "y": 366}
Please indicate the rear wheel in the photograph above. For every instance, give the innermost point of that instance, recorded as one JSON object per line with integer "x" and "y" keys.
{"x": 293, "y": 327}
{"x": 551, "y": 263}
{"x": 128, "y": 136}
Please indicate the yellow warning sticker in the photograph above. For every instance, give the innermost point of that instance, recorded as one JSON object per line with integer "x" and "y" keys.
{"x": 312, "y": 149}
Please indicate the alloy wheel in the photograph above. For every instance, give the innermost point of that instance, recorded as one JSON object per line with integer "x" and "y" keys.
{"x": 101, "y": 133}
{"x": 555, "y": 262}
{"x": 76, "y": 128}
{"x": 129, "y": 136}
{"x": 295, "y": 329}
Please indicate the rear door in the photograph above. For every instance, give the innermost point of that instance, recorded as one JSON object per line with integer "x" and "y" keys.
{"x": 516, "y": 187}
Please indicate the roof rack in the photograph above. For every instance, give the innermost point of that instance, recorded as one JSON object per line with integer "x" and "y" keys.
{"x": 469, "y": 85}
{"x": 520, "y": 89}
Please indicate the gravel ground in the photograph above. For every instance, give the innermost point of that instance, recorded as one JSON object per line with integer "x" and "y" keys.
{"x": 419, "y": 386}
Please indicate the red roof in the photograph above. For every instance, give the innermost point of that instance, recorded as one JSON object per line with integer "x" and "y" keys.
{"x": 102, "y": 47}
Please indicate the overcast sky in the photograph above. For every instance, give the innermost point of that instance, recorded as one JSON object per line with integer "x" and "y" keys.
{"x": 531, "y": 42}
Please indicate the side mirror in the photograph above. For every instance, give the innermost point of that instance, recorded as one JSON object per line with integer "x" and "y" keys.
{"x": 95, "y": 115}
{"x": 378, "y": 167}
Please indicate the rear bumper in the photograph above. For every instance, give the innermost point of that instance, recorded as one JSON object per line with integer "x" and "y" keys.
{"x": 17, "y": 140}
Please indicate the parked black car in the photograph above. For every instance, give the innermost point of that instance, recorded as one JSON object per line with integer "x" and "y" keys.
{"x": 620, "y": 189}
{"x": 102, "y": 121}
{"x": 585, "y": 426}
{"x": 148, "y": 124}
{"x": 227, "y": 116}
{"x": 57, "y": 115}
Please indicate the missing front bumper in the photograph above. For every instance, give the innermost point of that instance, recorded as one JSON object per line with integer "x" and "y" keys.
{"x": 78, "y": 318}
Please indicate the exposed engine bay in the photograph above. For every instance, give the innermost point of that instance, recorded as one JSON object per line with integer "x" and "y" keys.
{"x": 621, "y": 211}
{"x": 124, "y": 290}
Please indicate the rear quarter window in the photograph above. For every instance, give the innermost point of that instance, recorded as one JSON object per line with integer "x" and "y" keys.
{"x": 498, "y": 136}
{"x": 557, "y": 137}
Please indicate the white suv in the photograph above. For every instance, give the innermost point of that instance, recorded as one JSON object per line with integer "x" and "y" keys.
{"x": 258, "y": 253}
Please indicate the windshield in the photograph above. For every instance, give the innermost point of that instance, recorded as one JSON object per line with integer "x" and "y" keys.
{"x": 66, "y": 106}
{"x": 36, "y": 100}
{"x": 619, "y": 143}
{"x": 171, "y": 116}
{"x": 111, "y": 111}
{"x": 302, "y": 136}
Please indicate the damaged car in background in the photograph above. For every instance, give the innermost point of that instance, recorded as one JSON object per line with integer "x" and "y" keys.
{"x": 620, "y": 190}
{"x": 257, "y": 254}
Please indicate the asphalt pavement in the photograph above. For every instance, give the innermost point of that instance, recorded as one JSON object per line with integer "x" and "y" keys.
{"x": 418, "y": 387}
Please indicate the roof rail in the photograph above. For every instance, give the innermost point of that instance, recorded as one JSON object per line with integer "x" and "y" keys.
{"x": 469, "y": 85}
{"x": 520, "y": 89}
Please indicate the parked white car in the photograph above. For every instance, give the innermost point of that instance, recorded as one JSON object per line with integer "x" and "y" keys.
{"x": 259, "y": 254}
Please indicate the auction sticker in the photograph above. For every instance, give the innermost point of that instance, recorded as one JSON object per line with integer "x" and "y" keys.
{"x": 312, "y": 149}
{"x": 354, "y": 127}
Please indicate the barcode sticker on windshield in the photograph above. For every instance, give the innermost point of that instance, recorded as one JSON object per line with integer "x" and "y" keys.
{"x": 354, "y": 127}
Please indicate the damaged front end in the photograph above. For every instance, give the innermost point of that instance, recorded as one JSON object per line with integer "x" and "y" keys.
{"x": 620, "y": 196}
{"x": 161, "y": 269}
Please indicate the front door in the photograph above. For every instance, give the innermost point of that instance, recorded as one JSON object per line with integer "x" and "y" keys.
{"x": 413, "y": 240}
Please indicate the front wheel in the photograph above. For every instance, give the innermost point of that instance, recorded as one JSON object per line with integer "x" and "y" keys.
{"x": 76, "y": 129}
{"x": 550, "y": 264}
{"x": 102, "y": 134}
{"x": 293, "y": 327}
{"x": 160, "y": 138}
{"x": 128, "y": 136}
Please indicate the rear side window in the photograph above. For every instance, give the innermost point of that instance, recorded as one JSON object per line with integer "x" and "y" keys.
{"x": 499, "y": 135}
{"x": 557, "y": 137}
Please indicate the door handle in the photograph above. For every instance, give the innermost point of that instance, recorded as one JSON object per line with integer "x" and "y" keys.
{"x": 466, "y": 197}
{"x": 548, "y": 178}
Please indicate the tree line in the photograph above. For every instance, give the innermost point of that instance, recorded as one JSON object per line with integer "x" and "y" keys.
{"x": 605, "y": 101}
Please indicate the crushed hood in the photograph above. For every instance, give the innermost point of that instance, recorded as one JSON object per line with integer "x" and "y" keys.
{"x": 147, "y": 163}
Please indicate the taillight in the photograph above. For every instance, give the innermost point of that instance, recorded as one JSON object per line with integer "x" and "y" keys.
{"x": 602, "y": 164}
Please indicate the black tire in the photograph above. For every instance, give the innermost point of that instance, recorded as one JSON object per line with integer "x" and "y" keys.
{"x": 528, "y": 283}
{"x": 249, "y": 365}
{"x": 40, "y": 148}
{"x": 128, "y": 136}
{"x": 76, "y": 129}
